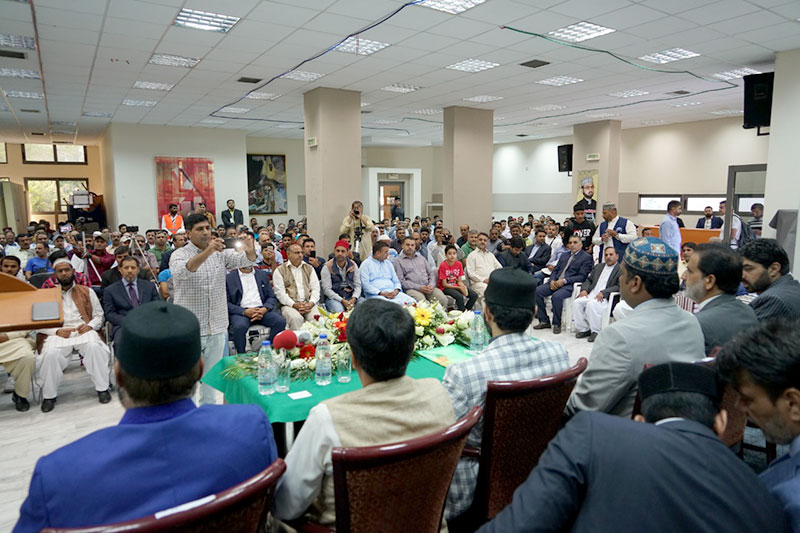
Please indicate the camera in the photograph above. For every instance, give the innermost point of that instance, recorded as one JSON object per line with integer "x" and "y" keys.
{"x": 356, "y": 212}
{"x": 133, "y": 229}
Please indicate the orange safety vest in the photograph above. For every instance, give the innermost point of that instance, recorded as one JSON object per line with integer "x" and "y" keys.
{"x": 171, "y": 226}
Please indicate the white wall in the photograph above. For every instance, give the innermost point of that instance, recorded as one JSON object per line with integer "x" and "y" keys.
{"x": 295, "y": 171}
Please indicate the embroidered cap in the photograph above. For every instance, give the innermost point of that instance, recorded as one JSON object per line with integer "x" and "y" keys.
{"x": 652, "y": 255}
{"x": 679, "y": 377}
{"x": 511, "y": 287}
{"x": 587, "y": 181}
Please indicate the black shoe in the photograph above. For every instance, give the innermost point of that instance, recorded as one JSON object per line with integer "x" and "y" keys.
{"x": 48, "y": 404}
{"x": 556, "y": 330}
{"x": 542, "y": 325}
{"x": 104, "y": 396}
{"x": 592, "y": 337}
{"x": 20, "y": 403}
{"x": 582, "y": 334}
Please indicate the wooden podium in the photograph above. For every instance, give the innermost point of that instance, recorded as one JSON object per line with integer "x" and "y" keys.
{"x": 16, "y": 305}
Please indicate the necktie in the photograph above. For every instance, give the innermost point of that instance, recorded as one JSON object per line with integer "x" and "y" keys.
{"x": 132, "y": 293}
{"x": 569, "y": 262}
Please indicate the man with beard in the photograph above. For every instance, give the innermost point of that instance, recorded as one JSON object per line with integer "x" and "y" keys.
{"x": 765, "y": 271}
{"x": 83, "y": 318}
{"x": 712, "y": 277}
{"x": 588, "y": 203}
{"x": 581, "y": 227}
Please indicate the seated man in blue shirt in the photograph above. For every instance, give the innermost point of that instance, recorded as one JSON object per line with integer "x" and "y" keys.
{"x": 39, "y": 262}
{"x": 165, "y": 451}
{"x": 379, "y": 279}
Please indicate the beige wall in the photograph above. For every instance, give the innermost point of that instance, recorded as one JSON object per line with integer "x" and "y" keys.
{"x": 295, "y": 172}
{"x": 429, "y": 159}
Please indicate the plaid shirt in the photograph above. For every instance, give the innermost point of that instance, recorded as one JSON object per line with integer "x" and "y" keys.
{"x": 80, "y": 279}
{"x": 510, "y": 357}
{"x": 203, "y": 292}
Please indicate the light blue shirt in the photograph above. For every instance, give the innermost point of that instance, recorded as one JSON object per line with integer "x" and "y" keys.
{"x": 670, "y": 232}
{"x": 378, "y": 276}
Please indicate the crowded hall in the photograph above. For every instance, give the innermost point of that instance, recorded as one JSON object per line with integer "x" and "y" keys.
{"x": 399, "y": 265}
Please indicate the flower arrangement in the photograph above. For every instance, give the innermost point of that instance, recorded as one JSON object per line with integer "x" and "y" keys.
{"x": 433, "y": 326}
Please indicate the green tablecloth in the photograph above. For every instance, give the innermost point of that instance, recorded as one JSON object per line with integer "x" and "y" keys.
{"x": 280, "y": 408}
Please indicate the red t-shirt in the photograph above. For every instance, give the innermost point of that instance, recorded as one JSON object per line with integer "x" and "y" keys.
{"x": 450, "y": 273}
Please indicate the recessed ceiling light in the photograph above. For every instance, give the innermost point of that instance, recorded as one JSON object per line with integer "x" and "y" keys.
{"x": 25, "y": 94}
{"x": 365, "y": 104}
{"x": 203, "y": 20}
{"x": 651, "y": 122}
{"x": 498, "y": 119}
{"x": 667, "y": 56}
{"x": 300, "y": 75}
{"x": 17, "y": 41}
{"x": 237, "y": 110}
{"x": 601, "y": 115}
{"x": 427, "y": 111}
{"x": 629, "y": 94}
{"x": 263, "y": 96}
{"x": 362, "y": 47}
{"x": 473, "y": 65}
{"x": 384, "y": 122}
{"x": 482, "y": 98}
{"x": 19, "y": 73}
{"x": 153, "y": 85}
{"x": 548, "y": 107}
{"x": 687, "y": 104}
{"x": 559, "y": 81}
{"x": 287, "y": 126}
{"x": 581, "y": 31}
{"x": 451, "y": 6}
{"x": 545, "y": 124}
{"x": 63, "y": 131}
{"x": 63, "y": 123}
{"x": 724, "y": 112}
{"x": 96, "y": 114}
{"x": 401, "y": 88}
{"x": 736, "y": 73}
{"x": 212, "y": 120}
{"x": 173, "y": 61}
{"x": 139, "y": 103}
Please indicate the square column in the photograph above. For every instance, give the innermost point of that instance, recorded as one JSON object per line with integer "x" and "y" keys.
{"x": 333, "y": 166}
{"x": 467, "y": 178}
{"x": 602, "y": 138}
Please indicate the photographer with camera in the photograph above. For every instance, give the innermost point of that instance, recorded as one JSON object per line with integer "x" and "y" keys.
{"x": 359, "y": 227}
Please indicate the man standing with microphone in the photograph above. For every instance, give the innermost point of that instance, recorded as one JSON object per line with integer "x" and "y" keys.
{"x": 198, "y": 272}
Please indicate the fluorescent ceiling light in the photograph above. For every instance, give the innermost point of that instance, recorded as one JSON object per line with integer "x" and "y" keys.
{"x": 725, "y": 112}
{"x": 601, "y": 115}
{"x": 139, "y": 103}
{"x": 203, "y": 20}
{"x": 300, "y": 75}
{"x": 629, "y": 94}
{"x": 17, "y": 41}
{"x": 362, "y": 47}
{"x": 401, "y": 88}
{"x": 96, "y": 114}
{"x": 155, "y": 86}
{"x": 212, "y": 120}
{"x": 25, "y": 94}
{"x": 651, "y": 122}
{"x": 384, "y": 122}
{"x": 63, "y": 123}
{"x": 581, "y": 31}
{"x": 559, "y": 81}
{"x": 365, "y": 104}
{"x": 263, "y": 96}
{"x": 63, "y": 132}
{"x": 19, "y": 73}
{"x": 451, "y": 6}
{"x": 667, "y": 56}
{"x": 498, "y": 119}
{"x": 231, "y": 109}
{"x": 687, "y": 104}
{"x": 482, "y": 98}
{"x": 473, "y": 65}
{"x": 548, "y": 107}
{"x": 173, "y": 61}
{"x": 545, "y": 124}
{"x": 287, "y": 126}
{"x": 427, "y": 111}
{"x": 736, "y": 73}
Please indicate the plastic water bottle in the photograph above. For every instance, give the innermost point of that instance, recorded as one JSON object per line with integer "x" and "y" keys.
{"x": 322, "y": 371}
{"x": 267, "y": 374}
{"x": 477, "y": 333}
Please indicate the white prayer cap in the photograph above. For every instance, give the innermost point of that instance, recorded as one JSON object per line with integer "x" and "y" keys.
{"x": 97, "y": 234}
{"x": 384, "y": 238}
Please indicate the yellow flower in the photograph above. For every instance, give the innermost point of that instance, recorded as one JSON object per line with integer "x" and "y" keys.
{"x": 422, "y": 316}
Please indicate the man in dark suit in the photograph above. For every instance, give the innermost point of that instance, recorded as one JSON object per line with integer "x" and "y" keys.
{"x": 709, "y": 221}
{"x": 127, "y": 294}
{"x": 232, "y": 216}
{"x": 113, "y": 275}
{"x": 571, "y": 268}
{"x": 539, "y": 252}
{"x": 592, "y": 302}
{"x": 250, "y": 302}
{"x": 672, "y": 473}
{"x": 712, "y": 277}
{"x": 765, "y": 271}
{"x": 165, "y": 451}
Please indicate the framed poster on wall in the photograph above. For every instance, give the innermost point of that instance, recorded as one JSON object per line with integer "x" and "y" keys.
{"x": 266, "y": 184}
{"x": 186, "y": 181}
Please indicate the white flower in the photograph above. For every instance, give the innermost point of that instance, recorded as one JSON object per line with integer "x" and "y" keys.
{"x": 312, "y": 364}
{"x": 411, "y": 310}
{"x": 465, "y": 320}
{"x": 454, "y": 313}
{"x": 298, "y": 364}
{"x": 419, "y": 331}
{"x": 427, "y": 340}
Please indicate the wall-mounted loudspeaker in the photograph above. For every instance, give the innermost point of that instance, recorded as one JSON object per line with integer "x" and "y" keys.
{"x": 758, "y": 99}
{"x": 565, "y": 158}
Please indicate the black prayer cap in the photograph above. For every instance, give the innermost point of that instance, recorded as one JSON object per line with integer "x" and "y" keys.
{"x": 679, "y": 377}
{"x": 159, "y": 340}
{"x": 511, "y": 287}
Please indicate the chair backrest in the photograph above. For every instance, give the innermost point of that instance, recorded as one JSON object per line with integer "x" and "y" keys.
{"x": 242, "y": 508}
{"x": 400, "y": 486}
{"x": 522, "y": 417}
{"x": 37, "y": 280}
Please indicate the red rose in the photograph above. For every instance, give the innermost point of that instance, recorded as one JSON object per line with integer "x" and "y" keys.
{"x": 341, "y": 316}
{"x": 440, "y": 330}
{"x": 342, "y": 336}
{"x": 316, "y": 317}
{"x": 451, "y": 322}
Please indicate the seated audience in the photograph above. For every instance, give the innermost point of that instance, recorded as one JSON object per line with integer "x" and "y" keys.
{"x": 397, "y": 242}
{"x": 471, "y": 244}
{"x": 656, "y": 331}
{"x": 178, "y": 241}
{"x": 16, "y": 356}
{"x": 310, "y": 255}
{"x": 10, "y": 265}
{"x": 160, "y": 246}
{"x": 511, "y": 355}
{"x": 555, "y": 257}
{"x": 666, "y": 471}
{"x": 513, "y": 257}
{"x": 147, "y": 261}
{"x": 165, "y": 451}
{"x": 38, "y": 263}
{"x": 708, "y": 220}
{"x": 687, "y": 249}
{"x": 553, "y": 239}
{"x": 122, "y": 296}
{"x": 712, "y": 278}
{"x": 480, "y": 264}
{"x": 451, "y": 280}
{"x": 765, "y": 271}
{"x": 464, "y": 235}
{"x": 591, "y": 304}
{"x": 114, "y": 274}
{"x": 538, "y": 253}
{"x": 416, "y": 278}
{"x": 269, "y": 260}
{"x": 83, "y": 318}
{"x": 251, "y": 302}
{"x": 390, "y": 407}
{"x": 571, "y": 268}
{"x": 379, "y": 279}
{"x": 99, "y": 260}
{"x": 341, "y": 281}
{"x": 23, "y": 250}
{"x": 296, "y": 288}
{"x": 494, "y": 241}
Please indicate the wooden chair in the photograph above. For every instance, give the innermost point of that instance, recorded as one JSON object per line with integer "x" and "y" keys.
{"x": 242, "y": 508}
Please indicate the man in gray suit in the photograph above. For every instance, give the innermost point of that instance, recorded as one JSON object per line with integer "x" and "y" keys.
{"x": 592, "y": 302}
{"x": 765, "y": 270}
{"x": 712, "y": 278}
{"x": 656, "y": 331}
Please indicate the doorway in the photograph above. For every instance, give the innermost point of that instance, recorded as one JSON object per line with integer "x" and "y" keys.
{"x": 746, "y": 186}
{"x": 388, "y": 191}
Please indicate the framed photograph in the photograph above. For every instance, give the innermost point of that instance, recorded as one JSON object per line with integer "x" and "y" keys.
{"x": 266, "y": 184}
{"x": 185, "y": 181}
